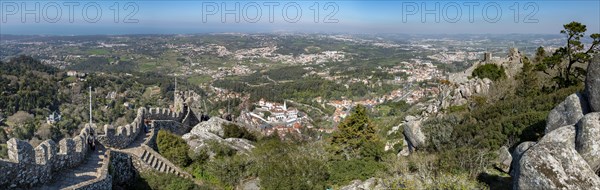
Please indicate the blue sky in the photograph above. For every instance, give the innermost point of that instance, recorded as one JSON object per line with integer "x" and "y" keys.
{"x": 350, "y": 16}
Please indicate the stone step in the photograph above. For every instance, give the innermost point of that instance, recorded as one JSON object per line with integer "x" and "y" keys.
{"x": 156, "y": 162}
{"x": 152, "y": 160}
{"x": 160, "y": 163}
{"x": 144, "y": 155}
{"x": 147, "y": 158}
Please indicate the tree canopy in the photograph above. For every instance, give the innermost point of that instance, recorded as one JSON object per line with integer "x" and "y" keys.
{"x": 356, "y": 136}
{"x": 569, "y": 61}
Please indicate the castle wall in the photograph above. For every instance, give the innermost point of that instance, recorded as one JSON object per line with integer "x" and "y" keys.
{"x": 104, "y": 179}
{"x": 117, "y": 168}
{"x": 27, "y": 166}
{"x": 164, "y": 114}
{"x": 190, "y": 120}
{"x": 172, "y": 126}
{"x": 122, "y": 136}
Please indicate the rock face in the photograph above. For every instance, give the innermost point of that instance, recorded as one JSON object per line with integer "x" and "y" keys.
{"x": 463, "y": 91}
{"x": 587, "y": 142}
{"x": 413, "y": 134}
{"x": 212, "y": 130}
{"x": 592, "y": 84}
{"x": 371, "y": 183}
{"x": 568, "y": 156}
{"x": 504, "y": 159}
{"x": 213, "y": 125}
{"x": 554, "y": 163}
{"x": 567, "y": 112}
{"x": 517, "y": 154}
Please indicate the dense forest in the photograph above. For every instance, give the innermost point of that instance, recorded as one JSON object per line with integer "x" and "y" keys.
{"x": 32, "y": 91}
{"x": 27, "y": 85}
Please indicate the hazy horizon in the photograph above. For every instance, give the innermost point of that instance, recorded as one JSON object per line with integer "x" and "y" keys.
{"x": 107, "y": 17}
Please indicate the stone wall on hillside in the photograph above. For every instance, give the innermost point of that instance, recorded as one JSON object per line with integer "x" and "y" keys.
{"x": 121, "y": 136}
{"x": 117, "y": 169}
{"x": 27, "y": 166}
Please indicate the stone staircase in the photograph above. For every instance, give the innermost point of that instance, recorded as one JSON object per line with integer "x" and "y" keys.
{"x": 161, "y": 164}
{"x": 151, "y": 159}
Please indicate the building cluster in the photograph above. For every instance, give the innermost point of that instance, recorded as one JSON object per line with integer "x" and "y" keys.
{"x": 417, "y": 71}
{"x": 270, "y": 54}
{"x": 271, "y": 117}
{"x": 80, "y": 75}
{"x": 458, "y": 56}
{"x": 277, "y": 112}
{"x": 343, "y": 107}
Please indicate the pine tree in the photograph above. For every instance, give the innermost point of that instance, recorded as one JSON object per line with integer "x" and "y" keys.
{"x": 356, "y": 136}
{"x": 565, "y": 60}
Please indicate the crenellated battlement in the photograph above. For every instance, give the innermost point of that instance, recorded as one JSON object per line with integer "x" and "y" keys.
{"x": 122, "y": 136}
{"x": 27, "y": 166}
{"x": 164, "y": 114}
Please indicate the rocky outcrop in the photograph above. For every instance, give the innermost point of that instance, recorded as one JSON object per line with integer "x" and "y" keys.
{"x": 413, "y": 134}
{"x": 212, "y": 130}
{"x": 592, "y": 84}
{"x": 213, "y": 125}
{"x": 554, "y": 163}
{"x": 588, "y": 139}
{"x": 243, "y": 145}
{"x": 504, "y": 159}
{"x": 567, "y": 112}
{"x": 513, "y": 64}
{"x": 462, "y": 92}
{"x": 567, "y": 157}
{"x": 460, "y": 89}
{"x": 516, "y": 156}
{"x": 371, "y": 183}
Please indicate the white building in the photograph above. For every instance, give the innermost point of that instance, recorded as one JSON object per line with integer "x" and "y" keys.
{"x": 53, "y": 118}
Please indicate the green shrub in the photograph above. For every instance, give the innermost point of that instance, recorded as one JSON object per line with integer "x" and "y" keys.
{"x": 490, "y": 71}
{"x": 453, "y": 109}
{"x": 228, "y": 170}
{"x": 220, "y": 150}
{"x": 343, "y": 171}
{"x": 231, "y": 130}
{"x": 173, "y": 148}
{"x": 398, "y": 147}
{"x": 3, "y": 151}
{"x": 288, "y": 165}
{"x": 156, "y": 180}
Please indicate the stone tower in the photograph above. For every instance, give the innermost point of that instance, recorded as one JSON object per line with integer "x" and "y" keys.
{"x": 178, "y": 99}
{"x": 487, "y": 56}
